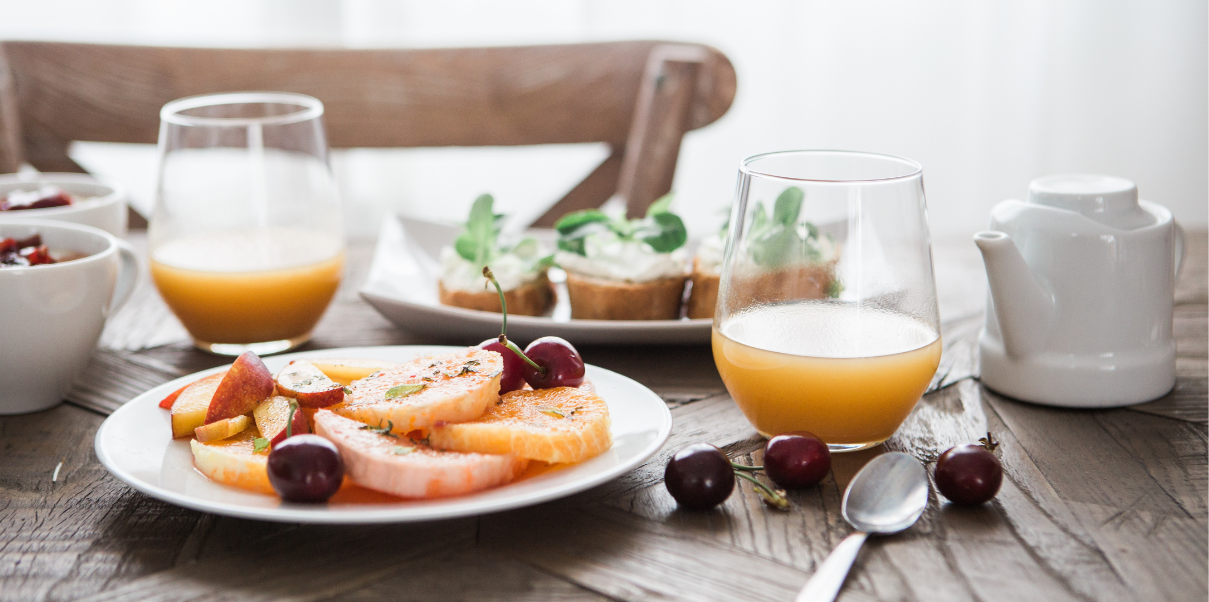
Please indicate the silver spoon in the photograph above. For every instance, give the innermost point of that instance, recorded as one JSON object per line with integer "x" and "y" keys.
{"x": 888, "y": 495}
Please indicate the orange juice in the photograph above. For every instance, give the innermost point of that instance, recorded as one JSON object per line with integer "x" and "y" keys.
{"x": 848, "y": 376}
{"x": 249, "y": 286}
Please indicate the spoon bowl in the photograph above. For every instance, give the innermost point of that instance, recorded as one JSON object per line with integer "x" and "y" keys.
{"x": 888, "y": 495}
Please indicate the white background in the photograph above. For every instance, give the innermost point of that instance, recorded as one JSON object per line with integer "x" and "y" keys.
{"x": 986, "y": 95}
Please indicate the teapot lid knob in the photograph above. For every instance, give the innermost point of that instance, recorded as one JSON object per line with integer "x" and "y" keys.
{"x": 1106, "y": 199}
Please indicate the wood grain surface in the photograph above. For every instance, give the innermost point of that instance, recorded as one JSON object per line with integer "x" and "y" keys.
{"x": 1096, "y": 504}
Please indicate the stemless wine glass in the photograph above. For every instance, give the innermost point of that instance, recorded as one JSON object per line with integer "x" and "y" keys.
{"x": 827, "y": 318}
{"x": 247, "y": 244}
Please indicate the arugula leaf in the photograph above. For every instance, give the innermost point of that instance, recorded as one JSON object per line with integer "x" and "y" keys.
{"x": 400, "y": 450}
{"x": 476, "y": 243}
{"x": 259, "y": 444}
{"x": 661, "y": 205}
{"x": 671, "y": 236}
{"x": 403, "y": 391}
{"x": 788, "y": 206}
{"x": 572, "y": 221}
{"x": 551, "y": 410}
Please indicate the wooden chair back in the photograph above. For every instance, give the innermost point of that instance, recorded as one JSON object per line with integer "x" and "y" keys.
{"x": 640, "y": 97}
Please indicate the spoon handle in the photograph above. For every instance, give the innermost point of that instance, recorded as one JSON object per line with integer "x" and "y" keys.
{"x": 826, "y": 582}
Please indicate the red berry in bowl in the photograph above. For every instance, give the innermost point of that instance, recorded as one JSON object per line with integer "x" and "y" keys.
{"x": 699, "y": 477}
{"x": 797, "y": 459}
{"x": 969, "y": 474}
{"x": 305, "y": 468}
{"x": 558, "y": 364}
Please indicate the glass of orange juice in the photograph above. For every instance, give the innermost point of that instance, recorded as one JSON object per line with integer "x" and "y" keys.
{"x": 827, "y": 318}
{"x": 246, "y": 241}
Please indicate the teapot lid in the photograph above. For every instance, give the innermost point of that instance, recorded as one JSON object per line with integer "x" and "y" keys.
{"x": 1108, "y": 200}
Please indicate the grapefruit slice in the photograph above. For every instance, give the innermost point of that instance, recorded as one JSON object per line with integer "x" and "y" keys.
{"x": 452, "y": 387}
{"x": 407, "y": 468}
{"x": 234, "y": 461}
{"x": 564, "y": 424}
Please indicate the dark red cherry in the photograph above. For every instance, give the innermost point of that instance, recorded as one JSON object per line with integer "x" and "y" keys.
{"x": 513, "y": 377}
{"x": 968, "y": 474}
{"x": 699, "y": 477}
{"x": 797, "y": 459}
{"x": 561, "y": 362}
{"x": 305, "y": 468}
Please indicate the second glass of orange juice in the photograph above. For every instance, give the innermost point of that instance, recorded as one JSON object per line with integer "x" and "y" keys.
{"x": 247, "y": 244}
{"x": 827, "y": 318}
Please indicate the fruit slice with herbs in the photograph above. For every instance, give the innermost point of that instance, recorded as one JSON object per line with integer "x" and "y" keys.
{"x": 451, "y": 387}
{"x": 190, "y": 407}
{"x": 234, "y": 461}
{"x": 222, "y": 429}
{"x": 347, "y": 370}
{"x": 273, "y": 418}
{"x": 167, "y": 402}
{"x": 312, "y": 388}
{"x": 247, "y": 383}
{"x": 565, "y": 424}
{"x": 378, "y": 459}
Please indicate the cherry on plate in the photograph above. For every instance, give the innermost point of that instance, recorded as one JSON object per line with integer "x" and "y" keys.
{"x": 305, "y": 468}
{"x": 699, "y": 477}
{"x": 968, "y": 474}
{"x": 796, "y": 459}
{"x": 562, "y": 363}
{"x": 513, "y": 377}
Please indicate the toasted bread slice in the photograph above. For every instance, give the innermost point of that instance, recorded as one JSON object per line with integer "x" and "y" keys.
{"x": 703, "y": 296}
{"x": 598, "y": 299}
{"x": 233, "y": 461}
{"x": 406, "y": 468}
{"x": 452, "y": 387}
{"x": 564, "y": 424}
{"x": 530, "y": 299}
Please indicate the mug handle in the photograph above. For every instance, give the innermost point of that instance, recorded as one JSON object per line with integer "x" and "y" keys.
{"x": 1179, "y": 250}
{"x": 128, "y": 276}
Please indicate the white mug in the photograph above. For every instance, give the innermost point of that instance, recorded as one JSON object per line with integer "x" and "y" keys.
{"x": 51, "y": 316}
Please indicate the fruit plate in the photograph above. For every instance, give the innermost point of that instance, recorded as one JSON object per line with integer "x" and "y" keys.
{"x": 402, "y": 285}
{"x": 135, "y": 445}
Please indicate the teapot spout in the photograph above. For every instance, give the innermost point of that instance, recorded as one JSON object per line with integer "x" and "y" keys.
{"x": 1024, "y": 307}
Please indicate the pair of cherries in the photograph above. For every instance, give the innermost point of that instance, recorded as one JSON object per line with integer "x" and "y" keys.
{"x": 546, "y": 363}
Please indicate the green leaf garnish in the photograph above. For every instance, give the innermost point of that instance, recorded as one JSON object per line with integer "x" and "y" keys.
{"x": 403, "y": 391}
{"x": 776, "y": 240}
{"x": 259, "y": 444}
{"x": 661, "y": 205}
{"x": 671, "y": 234}
{"x": 576, "y": 219}
{"x": 551, "y": 410}
{"x": 661, "y": 229}
{"x": 348, "y": 391}
{"x": 476, "y": 243}
{"x": 381, "y": 430}
{"x": 400, "y": 450}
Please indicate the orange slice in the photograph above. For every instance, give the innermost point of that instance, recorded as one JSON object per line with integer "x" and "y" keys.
{"x": 452, "y": 387}
{"x": 233, "y": 461}
{"x": 406, "y": 468}
{"x": 563, "y": 424}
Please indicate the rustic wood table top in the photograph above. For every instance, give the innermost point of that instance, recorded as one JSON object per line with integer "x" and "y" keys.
{"x": 1096, "y": 505}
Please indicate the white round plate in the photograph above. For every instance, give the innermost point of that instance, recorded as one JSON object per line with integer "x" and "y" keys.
{"x": 402, "y": 285}
{"x": 135, "y": 444}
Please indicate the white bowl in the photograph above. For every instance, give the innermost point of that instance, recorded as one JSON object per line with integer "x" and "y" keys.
{"x": 106, "y": 210}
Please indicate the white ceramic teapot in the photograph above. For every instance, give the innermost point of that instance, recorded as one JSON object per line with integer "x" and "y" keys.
{"x": 1082, "y": 286}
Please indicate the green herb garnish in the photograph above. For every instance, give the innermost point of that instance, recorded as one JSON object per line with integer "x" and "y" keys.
{"x": 348, "y": 391}
{"x": 400, "y": 450}
{"x": 552, "y": 411}
{"x": 403, "y": 391}
{"x": 259, "y": 444}
{"x": 381, "y": 430}
{"x": 661, "y": 229}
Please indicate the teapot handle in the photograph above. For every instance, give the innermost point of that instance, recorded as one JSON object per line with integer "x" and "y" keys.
{"x": 1179, "y": 249}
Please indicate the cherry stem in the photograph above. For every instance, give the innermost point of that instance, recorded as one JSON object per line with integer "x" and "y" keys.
{"x": 289, "y": 426}
{"x": 771, "y": 497}
{"x": 738, "y": 466}
{"x": 517, "y": 350}
{"x": 503, "y": 303}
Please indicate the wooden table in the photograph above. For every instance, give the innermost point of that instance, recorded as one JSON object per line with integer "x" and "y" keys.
{"x": 1097, "y": 505}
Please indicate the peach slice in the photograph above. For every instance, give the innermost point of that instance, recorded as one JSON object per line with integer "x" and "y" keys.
{"x": 222, "y": 429}
{"x": 247, "y": 383}
{"x": 234, "y": 461}
{"x": 189, "y": 409}
{"x": 347, "y": 370}
{"x": 310, "y": 386}
{"x": 273, "y": 414}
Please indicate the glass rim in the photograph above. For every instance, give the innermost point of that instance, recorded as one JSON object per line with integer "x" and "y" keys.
{"x": 746, "y": 168}
{"x": 309, "y": 108}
